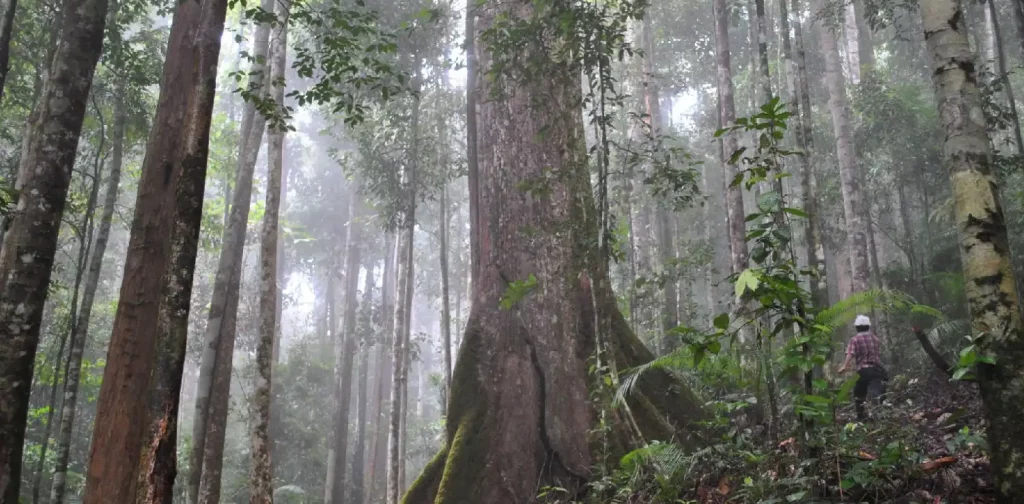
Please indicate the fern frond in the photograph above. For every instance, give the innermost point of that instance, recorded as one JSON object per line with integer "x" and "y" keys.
{"x": 677, "y": 359}
{"x": 950, "y": 329}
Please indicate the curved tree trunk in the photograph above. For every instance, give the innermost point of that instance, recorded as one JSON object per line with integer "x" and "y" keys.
{"x": 81, "y": 328}
{"x": 520, "y": 412}
{"x": 992, "y": 295}
{"x": 29, "y": 246}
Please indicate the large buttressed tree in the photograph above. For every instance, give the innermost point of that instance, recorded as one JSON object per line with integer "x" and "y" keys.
{"x": 989, "y": 280}
{"x": 521, "y": 414}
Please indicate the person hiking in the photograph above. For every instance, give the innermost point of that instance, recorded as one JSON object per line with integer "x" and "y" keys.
{"x": 865, "y": 348}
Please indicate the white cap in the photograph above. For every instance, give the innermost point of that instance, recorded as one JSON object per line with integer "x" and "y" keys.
{"x": 862, "y": 320}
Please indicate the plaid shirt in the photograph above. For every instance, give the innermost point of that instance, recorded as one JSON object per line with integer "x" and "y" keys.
{"x": 866, "y": 348}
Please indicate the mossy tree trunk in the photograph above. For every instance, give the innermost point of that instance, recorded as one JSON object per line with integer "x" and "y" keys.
{"x": 521, "y": 414}
{"x": 991, "y": 292}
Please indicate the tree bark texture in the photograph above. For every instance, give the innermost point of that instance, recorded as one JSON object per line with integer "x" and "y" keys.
{"x": 400, "y": 373}
{"x": 158, "y": 468}
{"x": 29, "y": 246}
{"x": 521, "y": 409}
{"x": 730, "y": 142}
{"x": 212, "y": 394}
{"x": 446, "y": 324}
{"x": 385, "y": 363}
{"x": 261, "y": 474}
{"x": 7, "y": 10}
{"x": 472, "y": 157}
{"x": 158, "y": 273}
{"x": 809, "y": 178}
{"x": 80, "y": 332}
{"x": 853, "y": 200}
{"x": 363, "y": 332}
{"x": 343, "y": 365}
{"x": 992, "y": 295}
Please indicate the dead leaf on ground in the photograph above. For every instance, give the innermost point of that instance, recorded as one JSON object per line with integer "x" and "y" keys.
{"x": 932, "y": 465}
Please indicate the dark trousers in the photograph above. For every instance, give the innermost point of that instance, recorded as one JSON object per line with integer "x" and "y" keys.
{"x": 871, "y": 378}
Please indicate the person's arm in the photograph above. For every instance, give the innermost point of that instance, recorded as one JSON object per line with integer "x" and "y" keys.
{"x": 849, "y": 357}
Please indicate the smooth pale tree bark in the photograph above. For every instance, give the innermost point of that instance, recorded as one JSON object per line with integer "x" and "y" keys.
{"x": 852, "y": 35}
{"x": 261, "y": 476}
{"x": 992, "y": 295}
{"x": 808, "y": 176}
{"x": 29, "y": 246}
{"x": 385, "y": 365}
{"x": 158, "y": 275}
{"x": 446, "y": 320}
{"x": 1001, "y": 67}
{"x": 346, "y": 341}
{"x": 79, "y": 335}
{"x": 762, "y": 51}
{"x": 853, "y": 200}
{"x": 663, "y": 216}
{"x": 730, "y": 142}
{"x": 7, "y": 10}
{"x": 400, "y": 373}
{"x": 403, "y": 310}
{"x": 213, "y": 390}
{"x": 472, "y": 158}
{"x": 520, "y": 412}
{"x": 363, "y": 333}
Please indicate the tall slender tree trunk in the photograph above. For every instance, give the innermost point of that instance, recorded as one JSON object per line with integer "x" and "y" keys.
{"x": 261, "y": 475}
{"x": 29, "y": 246}
{"x": 472, "y": 146}
{"x": 1018, "y": 140}
{"x": 212, "y": 395}
{"x": 385, "y": 365}
{"x": 992, "y": 295}
{"x": 809, "y": 179}
{"x": 853, "y": 200}
{"x": 446, "y": 323}
{"x": 403, "y": 312}
{"x": 520, "y": 412}
{"x": 663, "y": 215}
{"x": 400, "y": 374}
{"x": 852, "y": 34}
{"x": 79, "y": 335}
{"x": 7, "y": 10}
{"x": 762, "y": 51}
{"x": 158, "y": 275}
{"x": 363, "y": 333}
{"x": 348, "y": 337}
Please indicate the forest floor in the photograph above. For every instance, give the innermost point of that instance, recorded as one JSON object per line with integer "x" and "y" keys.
{"x": 925, "y": 445}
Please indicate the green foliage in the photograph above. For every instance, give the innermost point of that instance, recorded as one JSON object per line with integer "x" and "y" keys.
{"x": 517, "y": 290}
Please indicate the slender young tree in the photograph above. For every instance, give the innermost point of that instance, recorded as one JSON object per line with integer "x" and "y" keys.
{"x": 213, "y": 390}
{"x": 853, "y": 200}
{"x": 7, "y": 10}
{"x": 1004, "y": 76}
{"x": 261, "y": 475}
{"x": 992, "y": 295}
{"x": 385, "y": 366}
{"x": 446, "y": 329}
{"x": 338, "y": 469}
{"x": 79, "y": 335}
{"x": 472, "y": 159}
{"x": 30, "y": 244}
{"x": 363, "y": 331}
